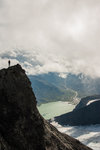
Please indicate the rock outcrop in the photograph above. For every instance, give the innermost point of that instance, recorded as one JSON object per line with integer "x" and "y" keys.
{"x": 84, "y": 101}
{"x": 21, "y": 125}
{"x": 87, "y": 112}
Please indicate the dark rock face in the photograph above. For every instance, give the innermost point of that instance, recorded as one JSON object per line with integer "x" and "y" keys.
{"x": 85, "y": 100}
{"x": 83, "y": 114}
{"x": 21, "y": 125}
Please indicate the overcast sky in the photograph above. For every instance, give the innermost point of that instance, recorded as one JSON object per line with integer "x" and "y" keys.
{"x": 51, "y": 35}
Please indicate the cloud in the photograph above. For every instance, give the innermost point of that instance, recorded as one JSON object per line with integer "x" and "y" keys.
{"x": 88, "y": 135}
{"x": 51, "y": 35}
{"x": 36, "y": 63}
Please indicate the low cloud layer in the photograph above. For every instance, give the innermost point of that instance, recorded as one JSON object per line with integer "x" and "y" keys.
{"x": 88, "y": 135}
{"x": 51, "y": 35}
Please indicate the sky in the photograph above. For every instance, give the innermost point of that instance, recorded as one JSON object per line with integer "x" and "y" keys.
{"x": 51, "y": 35}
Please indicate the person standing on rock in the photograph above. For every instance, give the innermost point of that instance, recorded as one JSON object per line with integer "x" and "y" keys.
{"x": 9, "y": 63}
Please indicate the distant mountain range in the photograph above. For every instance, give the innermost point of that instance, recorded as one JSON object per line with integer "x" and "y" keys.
{"x": 87, "y": 112}
{"x": 51, "y": 87}
{"x": 84, "y": 85}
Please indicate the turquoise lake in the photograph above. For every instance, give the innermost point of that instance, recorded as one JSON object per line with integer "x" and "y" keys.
{"x": 52, "y": 109}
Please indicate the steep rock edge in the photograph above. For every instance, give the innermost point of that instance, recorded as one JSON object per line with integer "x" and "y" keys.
{"x": 21, "y": 125}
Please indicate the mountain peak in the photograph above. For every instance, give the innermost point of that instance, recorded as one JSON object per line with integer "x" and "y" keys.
{"x": 21, "y": 125}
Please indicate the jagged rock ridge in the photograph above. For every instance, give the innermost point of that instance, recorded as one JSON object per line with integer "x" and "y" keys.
{"x": 84, "y": 101}
{"x": 21, "y": 125}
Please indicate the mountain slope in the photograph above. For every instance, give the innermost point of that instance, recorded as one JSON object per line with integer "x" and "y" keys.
{"x": 83, "y": 115}
{"x": 51, "y": 87}
{"x": 84, "y": 85}
{"x": 21, "y": 125}
{"x": 84, "y": 101}
{"x": 46, "y": 91}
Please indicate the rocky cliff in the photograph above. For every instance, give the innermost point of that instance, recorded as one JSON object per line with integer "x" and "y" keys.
{"x": 21, "y": 125}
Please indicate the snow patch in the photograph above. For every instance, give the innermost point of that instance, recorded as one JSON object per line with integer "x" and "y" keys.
{"x": 91, "y": 101}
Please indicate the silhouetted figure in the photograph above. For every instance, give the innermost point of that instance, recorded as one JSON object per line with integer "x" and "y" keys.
{"x": 9, "y": 63}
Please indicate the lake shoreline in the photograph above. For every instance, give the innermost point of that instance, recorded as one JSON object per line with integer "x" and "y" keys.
{"x": 53, "y": 109}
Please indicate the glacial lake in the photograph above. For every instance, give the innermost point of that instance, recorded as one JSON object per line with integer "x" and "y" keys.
{"x": 52, "y": 109}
